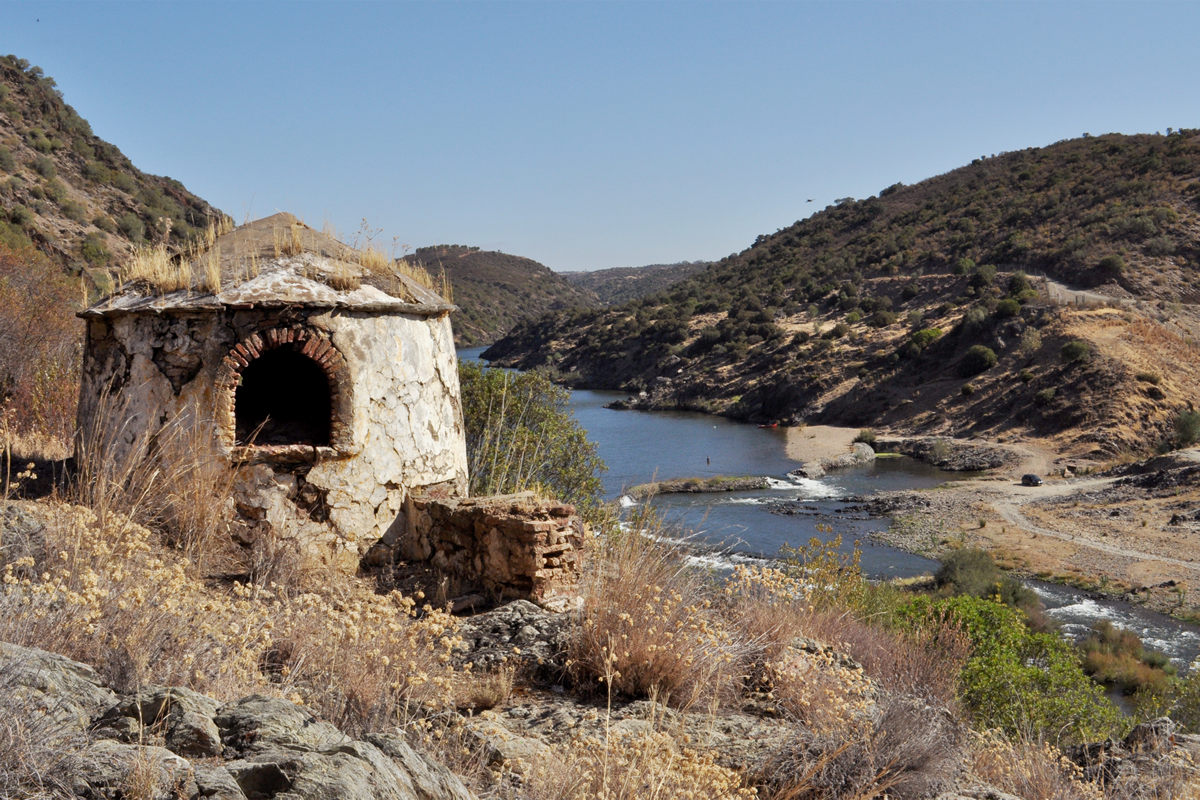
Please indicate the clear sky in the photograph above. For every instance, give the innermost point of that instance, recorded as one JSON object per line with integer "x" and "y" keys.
{"x": 591, "y": 135}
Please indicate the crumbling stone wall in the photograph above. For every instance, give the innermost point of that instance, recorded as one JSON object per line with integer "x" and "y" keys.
{"x": 513, "y": 547}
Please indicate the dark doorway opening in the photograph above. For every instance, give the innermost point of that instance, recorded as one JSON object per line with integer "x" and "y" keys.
{"x": 283, "y": 398}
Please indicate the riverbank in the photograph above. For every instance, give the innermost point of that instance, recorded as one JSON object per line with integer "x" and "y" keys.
{"x": 721, "y": 483}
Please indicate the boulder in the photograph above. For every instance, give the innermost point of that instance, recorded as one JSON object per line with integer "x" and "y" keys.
{"x": 255, "y": 723}
{"x": 519, "y": 631}
{"x": 114, "y": 769}
{"x": 66, "y": 691}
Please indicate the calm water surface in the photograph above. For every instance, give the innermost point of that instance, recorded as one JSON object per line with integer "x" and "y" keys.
{"x": 638, "y": 446}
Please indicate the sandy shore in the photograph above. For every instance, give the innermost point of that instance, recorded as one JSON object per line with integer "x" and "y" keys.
{"x": 814, "y": 442}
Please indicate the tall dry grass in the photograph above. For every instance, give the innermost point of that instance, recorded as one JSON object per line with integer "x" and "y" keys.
{"x": 649, "y": 625}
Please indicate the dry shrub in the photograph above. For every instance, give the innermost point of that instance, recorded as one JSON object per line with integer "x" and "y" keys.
{"x": 641, "y": 766}
{"x": 479, "y": 692}
{"x": 648, "y": 621}
{"x": 769, "y": 607}
{"x": 39, "y": 350}
{"x": 924, "y": 663}
{"x": 1032, "y": 770}
{"x": 821, "y": 691}
{"x": 910, "y": 750}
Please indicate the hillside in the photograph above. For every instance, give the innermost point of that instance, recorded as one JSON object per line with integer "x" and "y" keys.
{"x": 73, "y": 195}
{"x": 864, "y": 314}
{"x": 622, "y": 284}
{"x": 495, "y": 291}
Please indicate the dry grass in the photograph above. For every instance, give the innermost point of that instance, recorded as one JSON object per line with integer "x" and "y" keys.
{"x": 38, "y": 757}
{"x": 650, "y": 627}
{"x": 910, "y": 750}
{"x": 1032, "y": 770}
{"x": 418, "y": 273}
{"x": 154, "y": 266}
{"x": 478, "y": 692}
{"x": 651, "y": 765}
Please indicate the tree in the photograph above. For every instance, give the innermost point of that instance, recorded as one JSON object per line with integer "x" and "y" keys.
{"x": 1076, "y": 352}
{"x": 1187, "y": 428}
{"x": 521, "y": 435}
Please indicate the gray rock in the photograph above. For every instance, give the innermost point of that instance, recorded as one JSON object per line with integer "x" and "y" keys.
{"x": 492, "y": 639}
{"x": 68, "y": 692}
{"x": 113, "y": 769}
{"x": 21, "y": 534}
{"x": 194, "y": 736}
{"x": 257, "y": 722}
{"x": 216, "y": 783}
{"x": 430, "y": 780}
{"x": 351, "y": 770}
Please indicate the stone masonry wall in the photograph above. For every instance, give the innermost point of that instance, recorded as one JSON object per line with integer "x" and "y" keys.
{"x": 512, "y": 547}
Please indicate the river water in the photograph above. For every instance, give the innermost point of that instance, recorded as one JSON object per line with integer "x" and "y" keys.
{"x": 639, "y": 446}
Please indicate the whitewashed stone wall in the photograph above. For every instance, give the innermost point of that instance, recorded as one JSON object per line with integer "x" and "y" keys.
{"x": 398, "y": 407}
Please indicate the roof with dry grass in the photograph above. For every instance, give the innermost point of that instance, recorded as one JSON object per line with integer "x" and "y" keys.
{"x": 270, "y": 263}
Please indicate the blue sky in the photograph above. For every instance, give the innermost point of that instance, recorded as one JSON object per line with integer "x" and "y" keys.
{"x": 591, "y": 135}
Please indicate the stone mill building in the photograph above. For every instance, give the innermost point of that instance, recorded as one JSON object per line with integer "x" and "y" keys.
{"x": 326, "y": 376}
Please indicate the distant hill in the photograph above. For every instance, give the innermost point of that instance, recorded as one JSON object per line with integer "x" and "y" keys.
{"x": 495, "y": 291}
{"x": 622, "y": 284}
{"x": 71, "y": 194}
{"x": 878, "y": 312}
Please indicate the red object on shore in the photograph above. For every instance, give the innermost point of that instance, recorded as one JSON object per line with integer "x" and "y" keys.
{"x": 769, "y": 425}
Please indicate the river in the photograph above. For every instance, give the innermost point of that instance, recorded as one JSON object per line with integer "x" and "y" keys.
{"x": 638, "y": 446}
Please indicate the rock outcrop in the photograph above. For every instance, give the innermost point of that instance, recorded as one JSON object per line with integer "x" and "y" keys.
{"x": 172, "y": 742}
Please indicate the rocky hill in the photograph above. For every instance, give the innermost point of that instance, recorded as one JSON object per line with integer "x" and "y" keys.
{"x": 942, "y": 307}
{"x": 73, "y": 195}
{"x": 622, "y": 284}
{"x": 495, "y": 290}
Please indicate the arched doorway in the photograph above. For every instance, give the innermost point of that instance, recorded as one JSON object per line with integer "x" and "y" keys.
{"x": 283, "y": 398}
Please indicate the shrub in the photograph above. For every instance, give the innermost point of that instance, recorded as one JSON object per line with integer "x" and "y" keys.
{"x": 963, "y": 266}
{"x": 1008, "y": 307}
{"x": 20, "y": 215}
{"x": 984, "y": 275}
{"x": 883, "y": 318}
{"x": 1018, "y": 283}
{"x": 866, "y": 436}
{"x": 1148, "y": 377}
{"x": 131, "y": 226}
{"x": 522, "y": 435}
{"x": 1076, "y": 352}
{"x": 1187, "y": 428}
{"x": 853, "y": 317}
{"x": 74, "y": 211}
{"x": 647, "y": 628}
{"x": 1044, "y": 397}
{"x": 104, "y": 223}
{"x": 837, "y": 331}
{"x": 1026, "y": 376}
{"x": 925, "y": 337}
{"x": 93, "y": 249}
{"x": 1115, "y": 657}
{"x": 1031, "y": 342}
{"x": 7, "y": 162}
{"x": 910, "y": 291}
{"x": 1019, "y": 681}
{"x": 1111, "y": 266}
{"x": 968, "y": 390}
{"x": 976, "y": 360}
{"x": 44, "y": 167}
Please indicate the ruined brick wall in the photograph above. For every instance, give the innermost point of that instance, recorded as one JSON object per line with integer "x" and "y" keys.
{"x": 508, "y": 547}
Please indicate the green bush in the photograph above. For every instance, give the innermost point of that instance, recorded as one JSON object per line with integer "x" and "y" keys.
{"x": 1021, "y": 682}
{"x": 1044, "y": 397}
{"x": 93, "y": 249}
{"x": 976, "y": 360}
{"x": 968, "y": 390}
{"x": 853, "y": 317}
{"x": 963, "y": 266}
{"x": 1076, "y": 351}
{"x": 20, "y": 215}
{"x": 1008, "y": 307}
{"x": 104, "y": 223}
{"x": 910, "y": 291}
{"x": 866, "y": 436}
{"x": 1187, "y": 428}
{"x": 131, "y": 225}
{"x": 74, "y": 211}
{"x": 1148, "y": 377}
{"x": 44, "y": 167}
{"x": 984, "y": 275}
{"x": 522, "y": 435}
{"x": 1026, "y": 376}
{"x": 7, "y": 162}
{"x": 1018, "y": 283}
{"x": 1111, "y": 266}
{"x": 925, "y": 337}
{"x": 883, "y": 318}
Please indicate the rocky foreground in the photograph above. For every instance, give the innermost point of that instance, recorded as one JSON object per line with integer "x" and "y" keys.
{"x": 69, "y": 731}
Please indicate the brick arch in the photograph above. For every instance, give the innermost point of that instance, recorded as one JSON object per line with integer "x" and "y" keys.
{"x": 309, "y": 342}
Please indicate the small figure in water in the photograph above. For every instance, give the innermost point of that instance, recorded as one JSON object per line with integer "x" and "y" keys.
{"x": 707, "y": 460}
